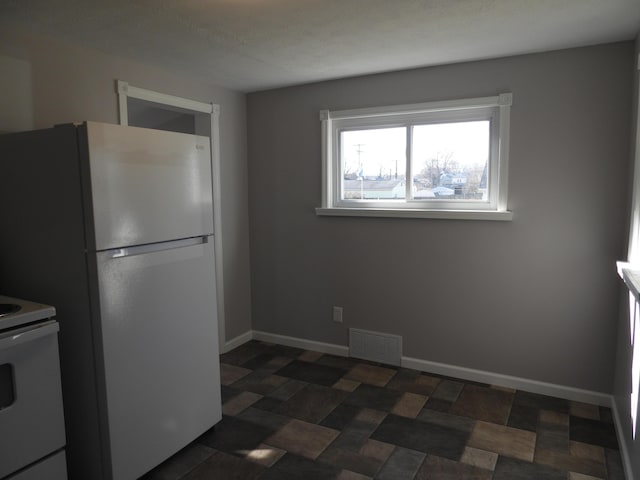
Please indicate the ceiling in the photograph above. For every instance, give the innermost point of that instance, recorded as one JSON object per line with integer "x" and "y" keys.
{"x": 250, "y": 45}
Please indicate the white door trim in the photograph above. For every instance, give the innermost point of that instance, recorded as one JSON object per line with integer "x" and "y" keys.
{"x": 125, "y": 91}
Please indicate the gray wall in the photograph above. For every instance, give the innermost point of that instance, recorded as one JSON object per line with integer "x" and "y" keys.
{"x": 536, "y": 297}
{"x": 623, "y": 387}
{"x": 72, "y": 83}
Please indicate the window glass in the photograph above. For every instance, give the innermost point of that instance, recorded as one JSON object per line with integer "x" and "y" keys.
{"x": 450, "y": 160}
{"x": 373, "y": 163}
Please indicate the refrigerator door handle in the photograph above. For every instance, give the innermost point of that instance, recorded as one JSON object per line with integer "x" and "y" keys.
{"x": 156, "y": 247}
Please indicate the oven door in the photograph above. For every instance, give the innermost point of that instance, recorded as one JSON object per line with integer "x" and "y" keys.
{"x": 31, "y": 416}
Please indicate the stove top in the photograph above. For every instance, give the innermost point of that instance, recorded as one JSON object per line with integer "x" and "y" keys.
{"x": 15, "y": 312}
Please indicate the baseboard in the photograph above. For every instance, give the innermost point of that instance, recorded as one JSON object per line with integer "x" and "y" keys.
{"x": 237, "y": 341}
{"x": 533, "y": 386}
{"x": 624, "y": 451}
{"x": 302, "y": 343}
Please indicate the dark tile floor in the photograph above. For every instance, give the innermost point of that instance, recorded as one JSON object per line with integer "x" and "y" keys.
{"x": 296, "y": 414}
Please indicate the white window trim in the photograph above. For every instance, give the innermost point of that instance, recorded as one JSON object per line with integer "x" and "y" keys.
{"x": 331, "y": 120}
{"x": 193, "y": 106}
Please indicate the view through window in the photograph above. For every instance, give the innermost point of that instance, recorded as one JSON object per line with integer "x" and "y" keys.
{"x": 448, "y": 161}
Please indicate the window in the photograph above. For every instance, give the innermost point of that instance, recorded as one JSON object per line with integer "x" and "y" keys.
{"x": 433, "y": 160}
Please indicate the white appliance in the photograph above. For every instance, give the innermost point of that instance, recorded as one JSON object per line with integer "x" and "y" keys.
{"x": 31, "y": 418}
{"x": 113, "y": 225}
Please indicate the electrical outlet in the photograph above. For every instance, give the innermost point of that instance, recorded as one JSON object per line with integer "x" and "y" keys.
{"x": 337, "y": 314}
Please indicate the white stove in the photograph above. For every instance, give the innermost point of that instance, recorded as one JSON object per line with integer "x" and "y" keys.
{"x": 32, "y": 437}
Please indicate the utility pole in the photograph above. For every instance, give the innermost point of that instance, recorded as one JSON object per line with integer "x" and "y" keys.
{"x": 360, "y": 171}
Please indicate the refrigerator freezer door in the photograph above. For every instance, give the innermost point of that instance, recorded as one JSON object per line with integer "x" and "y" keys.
{"x": 148, "y": 185}
{"x": 161, "y": 365}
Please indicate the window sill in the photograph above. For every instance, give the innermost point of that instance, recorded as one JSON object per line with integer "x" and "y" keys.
{"x": 402, "y": 213}
{"x": 630, "y": 274}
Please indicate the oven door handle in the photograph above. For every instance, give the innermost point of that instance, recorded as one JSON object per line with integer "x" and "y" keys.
{"x": 27, "y": 334}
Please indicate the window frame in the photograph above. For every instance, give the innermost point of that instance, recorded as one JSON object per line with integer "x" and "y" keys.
{"x": 496, "y": 109}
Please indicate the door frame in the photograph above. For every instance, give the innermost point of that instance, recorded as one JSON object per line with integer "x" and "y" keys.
{"x": 125, "y": 90}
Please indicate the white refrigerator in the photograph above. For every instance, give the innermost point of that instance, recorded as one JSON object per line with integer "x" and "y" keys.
{"x": 114, "y": 227}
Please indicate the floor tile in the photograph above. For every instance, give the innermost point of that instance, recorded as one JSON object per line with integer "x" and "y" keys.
{"x": 265, "y": 455}
{"x": 370, "y": 416}
{"x": 421, "y": 436}
{"x": 584, "y": 410}
{"x": 463, "y": 424}
{"x": 285, "y": 351}
{"x": 424, "y": 385}
{"x": 341, "y": 416}
{"x": 552, "y": 437}
{"x": 614, "y": 465}
{"x": 229, "y": 467}
{"x": 181, "y": 463}
{"x": 312, "y": 373}
{"x": 486, "y": 404}
{"x": 606, "y": 415}
{"x": 438, "y": 405}
{"x": 287, "y": 389}
{"x": 243, "y": 353}
{"x": 309, "y": 356}
{"x": 378, "y": 450}
{"x": 403, "y": 464}
{"x": 302, "y": 438}
{"x": 377, "y": 398}
{"x": 555, "y": 418}
{"x": 240, "y": 403}
{"x": 294, "y": 467}
{"x": 343, "y": 363}
{"x": 403, "y": 378}
{"x": 355, "y": 435}
{"x": 447, "y": 390}
{"x": 268, "y": 403}
{"x": 584, "y": 450}
{"x": 504, "y": 389}
{"x": 232, "y": 373}
{"x": 262, "y": 382}
{"x": 593, "y": 431}
{"x": 437, "y": 468}
{"x": 514, "y": 469}
{"x": 479, "y": 458}
{"x": 234, "y": 435}
{"x": 267, "y": 419}
{"x": 523, "y": 417}
{"x": 346, "y": 385}
{"x": 227, "y": 393}
{"x": 349, "y": 475}
{"x": 564, "y": 461}
{"x": 312, "y": 403}
{"x": 541, "y": 402}
{"x": 409, "y": 405}
{"x": 580, "y": 476}
{"x": 279, "y": 361}
{"x": 351, "y": 460}
{"x": 503, "y": 440}
{"x": 259, "y": 361}
{"x": 371, "y": 375}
